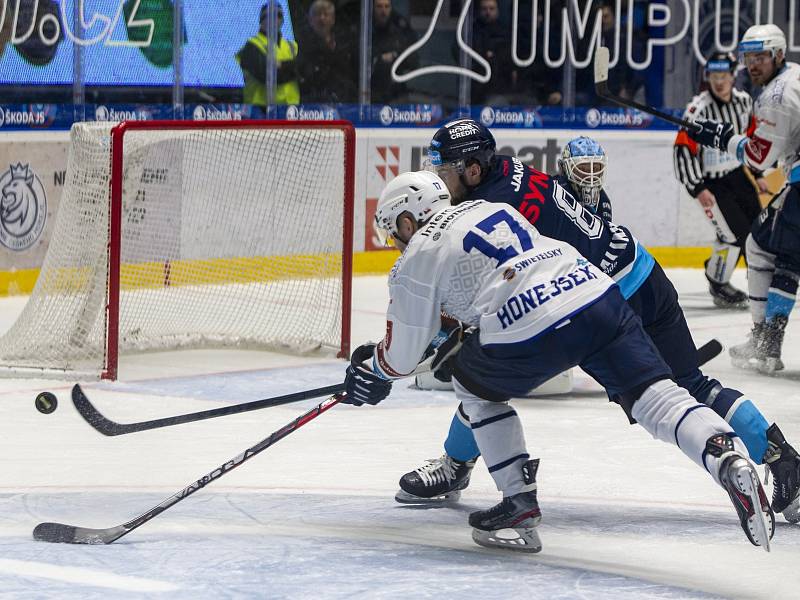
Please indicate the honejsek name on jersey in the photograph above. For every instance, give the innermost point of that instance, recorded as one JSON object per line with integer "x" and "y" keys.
{"x": 521, "y": 304}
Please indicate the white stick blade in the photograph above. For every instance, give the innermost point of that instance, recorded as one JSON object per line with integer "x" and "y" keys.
{"x": 601, "y": 65}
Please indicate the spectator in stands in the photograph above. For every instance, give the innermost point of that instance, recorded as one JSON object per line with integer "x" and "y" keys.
{"x": 623, "y": 80}
{"x": 326, "y": 69}
{"x": 492, "y": 40}
{"x": 543, "y": 82}
{"x": 391, "y": 34}
{"x": 252, "y": 59}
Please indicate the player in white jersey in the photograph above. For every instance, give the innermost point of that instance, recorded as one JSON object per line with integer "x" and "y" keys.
{"x": 773, "y": 246}
{"x": 541, "y": 308}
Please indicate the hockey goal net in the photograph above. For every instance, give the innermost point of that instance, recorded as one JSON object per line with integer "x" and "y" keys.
{"x": 192, "y": 234}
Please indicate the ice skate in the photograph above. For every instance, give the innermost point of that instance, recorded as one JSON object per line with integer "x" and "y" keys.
{"x": 510, "y": 524}
{"x": 783, "y": 463}
{"x": 438, "y": 481}
{"x": 768, "y": 350}
{"x": 740, "y": 480}
{"x": 727, "y": 296}
{"x": 744, "y": 355}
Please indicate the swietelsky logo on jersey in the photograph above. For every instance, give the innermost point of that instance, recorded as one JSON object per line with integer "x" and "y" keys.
{"x": 23, "y": 207}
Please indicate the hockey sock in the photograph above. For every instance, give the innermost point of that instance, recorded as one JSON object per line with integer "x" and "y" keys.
{"x": 671, "y": 415}
{"x": 460, "y": 443}
{"x": 498, "y": 433}
{"x": 739, "y": 412}
{"x": 746, "y": 420}
{"x": 781, "y": 295}
{"x": 760, "y": 268}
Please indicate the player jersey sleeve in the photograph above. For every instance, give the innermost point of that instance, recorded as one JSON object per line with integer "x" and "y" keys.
{"x": 687, "y": 158}
{"x": 777, "y": 117}
{"x": 413, "y": 317}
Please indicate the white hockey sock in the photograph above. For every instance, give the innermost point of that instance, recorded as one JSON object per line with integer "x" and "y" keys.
{"x": 501, "y": 441}
{"x": 671, "y": 415}
{"x": 760, "y": 268}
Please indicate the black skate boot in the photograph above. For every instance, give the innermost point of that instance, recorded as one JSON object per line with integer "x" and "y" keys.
{"x": 740, "y": 480}
{"x": 438, "y": 481}
{"x": 727, "y": 296}
{"x": 768, "y": 350}
{"x": 744, "y": 355}
{"x": 784, "y": 463}
{"x": 512, "y": 523}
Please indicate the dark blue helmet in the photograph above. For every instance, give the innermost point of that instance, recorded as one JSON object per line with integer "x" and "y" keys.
{"x": 724, "y": 62}
{"x": 460, "y": 141}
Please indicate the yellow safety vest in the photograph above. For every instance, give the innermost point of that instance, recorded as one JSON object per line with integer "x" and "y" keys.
{"x": 255, "y": 92}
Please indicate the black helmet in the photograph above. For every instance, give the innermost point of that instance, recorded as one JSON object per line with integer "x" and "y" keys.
{"x": 721, "y": 62}
{"x": 462, "y": 140}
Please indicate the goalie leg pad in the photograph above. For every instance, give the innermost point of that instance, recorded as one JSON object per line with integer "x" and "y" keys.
{"x": 720, "y": 267}
{"x": 500, "y": 439}
{"x": 671, "y": 415}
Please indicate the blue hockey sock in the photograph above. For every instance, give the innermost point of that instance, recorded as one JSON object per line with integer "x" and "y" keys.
{"x": 746, "y": 420}
{"x": 460, "y": 443}
{"x": 751, "y": 426}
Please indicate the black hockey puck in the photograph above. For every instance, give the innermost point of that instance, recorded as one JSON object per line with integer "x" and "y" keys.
{"x": 46, "y": 403}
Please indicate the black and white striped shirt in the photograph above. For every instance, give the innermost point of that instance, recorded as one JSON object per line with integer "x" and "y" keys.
{"x": 694, "y": 164}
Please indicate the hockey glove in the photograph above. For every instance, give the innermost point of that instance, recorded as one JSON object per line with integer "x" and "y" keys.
{"x": 712, "y": 134}
{"x": 444, "y": 345}
{"x": 362, "y": 384}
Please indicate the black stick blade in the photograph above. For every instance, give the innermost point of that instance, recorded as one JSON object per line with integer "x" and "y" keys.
{"x": 708, "y": 351}
{"x": 58, "y": 533}
{"x": 92, "y": 416}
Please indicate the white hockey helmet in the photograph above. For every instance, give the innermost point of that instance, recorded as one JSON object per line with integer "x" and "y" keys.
{"x": 422, "y": 193}
{"x": 760, "y": 38}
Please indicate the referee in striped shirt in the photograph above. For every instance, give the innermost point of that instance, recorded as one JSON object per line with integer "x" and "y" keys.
{"x": 717, "y": 179}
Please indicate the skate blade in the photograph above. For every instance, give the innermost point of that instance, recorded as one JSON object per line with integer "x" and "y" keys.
{"x": 719, "y": 303}
{"x": 761, "y": 526}
{"x": 404, "y": 497}
{"x": 769, "y": 366}
{"x": 521, "y": 539}
{"x": 741, "y": 362}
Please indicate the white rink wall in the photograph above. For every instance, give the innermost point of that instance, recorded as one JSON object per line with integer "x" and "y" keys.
{"x": 641, "y": 183}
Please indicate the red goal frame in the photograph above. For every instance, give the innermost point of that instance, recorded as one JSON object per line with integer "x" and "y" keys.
{"x": 114, "y": 246}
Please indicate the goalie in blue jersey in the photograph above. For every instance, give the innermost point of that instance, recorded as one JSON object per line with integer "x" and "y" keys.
{"x": 471, "y": 169}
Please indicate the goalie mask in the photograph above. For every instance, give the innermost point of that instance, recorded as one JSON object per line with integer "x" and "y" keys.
{"x": 583, "y": 162}
{"x": 420, "y": 193}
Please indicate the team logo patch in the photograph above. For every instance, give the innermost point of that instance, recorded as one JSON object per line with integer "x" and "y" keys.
{"x": 23, "y": 207}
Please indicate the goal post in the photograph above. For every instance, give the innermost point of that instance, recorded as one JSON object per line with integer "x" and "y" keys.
{"x": 192, "y": 234}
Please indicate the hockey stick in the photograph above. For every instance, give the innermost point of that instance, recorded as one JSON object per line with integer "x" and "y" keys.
{"x": 69, "y": 534}
{"x": 601, "y": 88}
{"x": 708, "y": 351}
{"x": 108, "y": 427}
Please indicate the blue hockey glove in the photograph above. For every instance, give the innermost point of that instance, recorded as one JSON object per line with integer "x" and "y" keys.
{"x": 362, "y": 384}
{"x": 712, "y": 134}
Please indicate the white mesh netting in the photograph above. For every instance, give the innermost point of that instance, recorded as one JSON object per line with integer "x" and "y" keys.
{"x": 230, "y": 237}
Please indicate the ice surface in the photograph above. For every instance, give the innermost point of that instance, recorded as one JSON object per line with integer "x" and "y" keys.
{"x": 314, "y": 515}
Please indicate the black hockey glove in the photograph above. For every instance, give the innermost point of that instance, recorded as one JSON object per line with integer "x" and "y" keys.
{"x": 445, "y": 345}
{"x": 712, "y": 134}
{"x": 362, "y": 384}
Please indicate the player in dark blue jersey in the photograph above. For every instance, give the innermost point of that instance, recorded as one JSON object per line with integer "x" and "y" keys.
{"x": 464, "y": 157}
